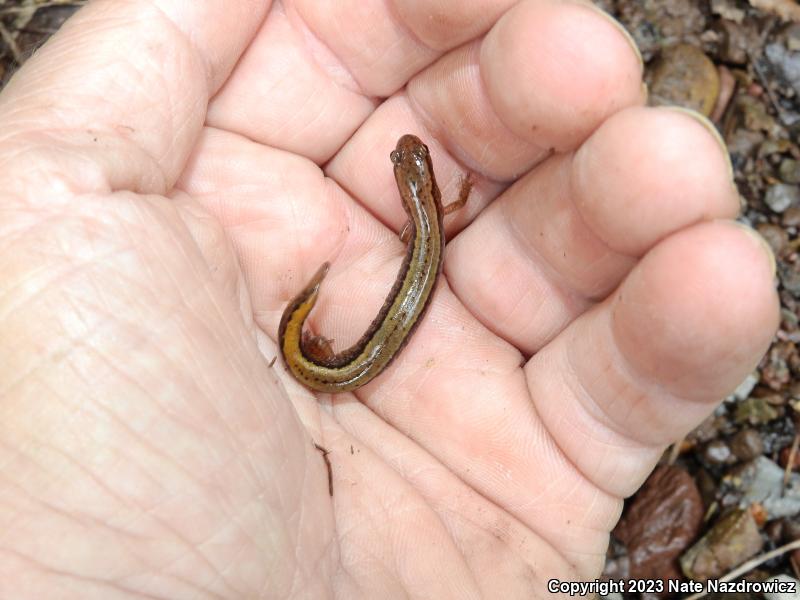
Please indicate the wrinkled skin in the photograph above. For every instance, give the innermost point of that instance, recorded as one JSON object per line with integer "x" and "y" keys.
{"x": 174, "y": 171}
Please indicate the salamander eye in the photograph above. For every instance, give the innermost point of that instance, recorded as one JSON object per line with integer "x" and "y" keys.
{"x": 422, "y": 151}
{"x": 394, "y": 156}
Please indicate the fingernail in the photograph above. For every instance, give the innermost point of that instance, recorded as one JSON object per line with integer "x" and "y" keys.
{"x": 762, "y": 242}
{"x": 714, "y": 132}
{"x": 625, "y": 33}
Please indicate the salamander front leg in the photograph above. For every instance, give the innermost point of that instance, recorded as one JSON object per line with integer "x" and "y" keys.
{"x": 463, "y": 194}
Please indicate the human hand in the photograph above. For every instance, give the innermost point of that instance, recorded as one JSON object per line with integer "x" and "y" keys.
{"x": 151, "y": 238}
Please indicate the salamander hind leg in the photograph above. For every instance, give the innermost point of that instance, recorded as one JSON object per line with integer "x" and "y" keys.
{"x": 317, "y": 347}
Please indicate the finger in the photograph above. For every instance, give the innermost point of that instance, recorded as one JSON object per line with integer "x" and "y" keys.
{"x": 313, "y": 72}
{"x": 683, "y": 330}
{"x": 453, "y": 105}
{"x": 579, "y": 222}
{"x": 116, "y": 98}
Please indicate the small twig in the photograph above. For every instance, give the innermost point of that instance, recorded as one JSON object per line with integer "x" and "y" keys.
{"x": 710, "y": 512}
{"x": 790, "y": 460}
{"x": 675, "y": 451}
{"x": 765, "y": 84}
{"x": 751, "y": 564}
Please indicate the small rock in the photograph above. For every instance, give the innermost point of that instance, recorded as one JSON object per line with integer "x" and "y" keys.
{"x": 732, "y": 540}
{"x": 774, "y": 146}
{"x": 657, "y": 23}
{"x": 777, "y": 434}
{"x": 776, "y": 236}
{"x": 743, "y": 143}
{"x": 793, "y": 37}
{"x": 684, "y": 76}
{"x": 785, "y": 64}
{"x": 789, "y": 582}
{"x": 789, "y": 171}
{"x": 780, "y": 196}
{"x": 708, "y": 430}
{"x": 775, "y": 372}
{"x": 660, "y": 522}
{"x": 789, "y": 274}
{"x": 717, "y": 452}
{"x": 757, "y": 117}
{"x": 791, "y": 218}
{"x": 747, "y": 444}
{"x": 755, "y": 411}
{"x": 789, "y": 321}
{"x": 761, "y": 481}
{"x": 707, "y": 486}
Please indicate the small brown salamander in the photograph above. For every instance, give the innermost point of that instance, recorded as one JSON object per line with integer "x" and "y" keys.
{"x": 310, "y": 358}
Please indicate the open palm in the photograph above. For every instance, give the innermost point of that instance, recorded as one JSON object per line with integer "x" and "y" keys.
{"x": 175, "y": 171}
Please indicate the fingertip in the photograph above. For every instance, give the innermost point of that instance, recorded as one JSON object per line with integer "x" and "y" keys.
{"x": 647, "y": 172}
{"x": 555, "y": 70}
{"x": 698, "y": 312}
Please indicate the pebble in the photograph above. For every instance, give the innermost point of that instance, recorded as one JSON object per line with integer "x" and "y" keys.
{"x": 755, "y": 411}
{"x": 776, "y": 236}
{"x": 780, "y": 196}
{"x": 785, "y": 64}
{"x": 658, "y": 23}
{"x": 793, "y": 37}
{"x": 784, "y": 595}
{"x": 761, "y": 481}
{"x": 791, "y": 218}
{"x": 733, "y": 539}
{"x": 660, "y": 522}
{"x": 776, "y": 369}
{"x": 777, "y": 434}
{"x": 743, "y": 143}
{"x": 789, "y": 171}
{"x": 717, "y": 452}
{"x": 684, "y": 76}
{"x": 747, "y": 444}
